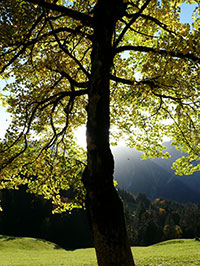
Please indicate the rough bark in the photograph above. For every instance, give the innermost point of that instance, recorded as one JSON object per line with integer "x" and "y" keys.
{"x": 104, "y": 207}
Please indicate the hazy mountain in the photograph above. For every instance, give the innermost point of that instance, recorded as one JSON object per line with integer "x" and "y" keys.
{"x": 154, "y": 176}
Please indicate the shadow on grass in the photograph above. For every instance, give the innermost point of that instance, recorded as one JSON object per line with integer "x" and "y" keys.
{"x": 9, "y": 238}
{"x": 45, "y": 241}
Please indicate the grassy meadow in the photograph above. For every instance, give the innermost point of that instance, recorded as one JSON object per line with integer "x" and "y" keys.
{"x": 173, "y": 252}
{"x": 35, "y": 252}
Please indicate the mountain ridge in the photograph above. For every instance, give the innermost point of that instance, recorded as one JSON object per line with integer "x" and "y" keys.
{"x": 154, "y": 176}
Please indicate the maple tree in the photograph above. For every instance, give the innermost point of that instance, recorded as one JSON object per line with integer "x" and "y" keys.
{"x": 130, "y": 64}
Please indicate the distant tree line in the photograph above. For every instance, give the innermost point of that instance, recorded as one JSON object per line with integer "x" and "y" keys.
{"x": 152, "y": 222}
{"x": 24, "y": 214}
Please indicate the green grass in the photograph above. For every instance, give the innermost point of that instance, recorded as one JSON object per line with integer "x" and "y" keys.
{"x": 35, "y": 252}
{"x": 173, "y": 252}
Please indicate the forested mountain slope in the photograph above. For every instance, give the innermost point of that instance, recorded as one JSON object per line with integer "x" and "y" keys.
{"x": 154, "y": 176}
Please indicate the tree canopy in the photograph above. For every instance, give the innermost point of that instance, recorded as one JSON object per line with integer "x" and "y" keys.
{"x": 46, "y": 47}
{"x": 128, "y": 64}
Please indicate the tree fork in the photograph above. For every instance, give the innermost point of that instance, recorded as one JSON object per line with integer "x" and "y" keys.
{"x": 104, "y": 207}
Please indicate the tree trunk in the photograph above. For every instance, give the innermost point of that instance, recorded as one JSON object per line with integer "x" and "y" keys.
{"x": 104, "y": 207}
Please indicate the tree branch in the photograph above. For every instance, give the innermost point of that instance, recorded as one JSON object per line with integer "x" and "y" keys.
{"x": 13, "y": 59}
{"x": 66, "y": 51}
{"x": 132, "y": 82}
{"x": 157, "y": 22}
{"x": 122, "y": 80}
{"x": 25, "y": 45}
{"x": 59, "y": 96}
{"x": 133, "y": 19}
{"x": 11, "y": 159}
{"x": 72, "y": 81}
{"x": 45, "y": 35}
{"x": 157, "y": 51}
{"x": 179, "y": 128}
{"x": 83, "y": 18}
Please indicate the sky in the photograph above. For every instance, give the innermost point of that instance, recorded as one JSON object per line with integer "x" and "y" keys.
{"x": 186, "y": 13}
{"x": 186, "y": 17}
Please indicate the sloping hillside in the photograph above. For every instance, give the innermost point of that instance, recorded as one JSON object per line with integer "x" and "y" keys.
{"x": 15, "y": 251}
{"x": 154, "y": 176}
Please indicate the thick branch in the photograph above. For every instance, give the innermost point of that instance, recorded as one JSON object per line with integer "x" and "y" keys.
{"x": 74, "y": 82}
{"x": 153, "y": 84}
{"x": 132, "y": 82}
{"x": 59, "y": 96}
{"x": 122, "y": 80}
{"x": 157, "y": 51}
{"x": 85, "y": 19}
{"x": 68, "y": 110}
{"x": 75, "y": 31}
